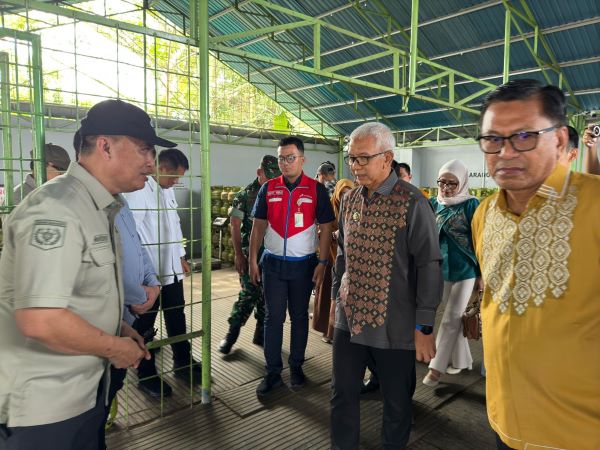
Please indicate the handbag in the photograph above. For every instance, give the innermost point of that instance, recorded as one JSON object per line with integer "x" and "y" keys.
{"x": 471, "y": 318}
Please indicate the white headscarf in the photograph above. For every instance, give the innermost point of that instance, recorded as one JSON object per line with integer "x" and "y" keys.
{"x": 460, "y": 171}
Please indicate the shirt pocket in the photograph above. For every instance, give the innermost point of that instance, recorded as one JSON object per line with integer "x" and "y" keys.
{"x": 97, "y": 274}
{"x": 172, "y": 210}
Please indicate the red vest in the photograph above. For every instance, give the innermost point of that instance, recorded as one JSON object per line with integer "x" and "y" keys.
{"x": 291, "y": 217}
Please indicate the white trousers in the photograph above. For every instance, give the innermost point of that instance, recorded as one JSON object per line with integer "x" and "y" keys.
{"x": 452, "y": 346}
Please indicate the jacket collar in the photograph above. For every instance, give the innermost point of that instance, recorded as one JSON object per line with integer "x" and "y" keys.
{"x": 100, "y": 195}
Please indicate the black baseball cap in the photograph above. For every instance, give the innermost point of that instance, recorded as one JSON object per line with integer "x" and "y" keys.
{"x": 119, "y": 118}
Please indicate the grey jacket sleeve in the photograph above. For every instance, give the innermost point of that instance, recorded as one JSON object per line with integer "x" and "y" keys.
{"x": 339, "y": 266}
{"x": 424, "y": 247}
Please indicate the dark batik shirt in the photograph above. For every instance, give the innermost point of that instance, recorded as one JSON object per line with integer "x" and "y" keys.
{"x": 387, "y": 276}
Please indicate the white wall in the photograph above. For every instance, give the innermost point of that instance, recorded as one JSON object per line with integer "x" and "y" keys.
{"x": 236, "y": 164}
{"x": 232, "y": 164}
{"x": 428, "y": 160}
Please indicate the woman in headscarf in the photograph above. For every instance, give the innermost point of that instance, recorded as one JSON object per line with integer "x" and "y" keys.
{"x": 324, "y": 309}
{"x": 454, "y": 209}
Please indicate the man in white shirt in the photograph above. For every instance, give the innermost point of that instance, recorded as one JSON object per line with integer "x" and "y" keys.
{"x": 155, "y": 212}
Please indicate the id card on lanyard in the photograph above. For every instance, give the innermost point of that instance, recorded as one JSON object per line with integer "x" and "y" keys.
{"x": 298, "y": 220}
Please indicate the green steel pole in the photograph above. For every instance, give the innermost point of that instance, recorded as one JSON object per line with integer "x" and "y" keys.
{"x": 317, "y": 46}
{"x": 202, "y": 23}
{"x": 6, "y": 128}
{"x": 39, "y": 137}
{"x": 96, "y": 19}
{"x": 193, "y": 26}
{"x": 414, "y": 51}
{"x": 506, "y": 71}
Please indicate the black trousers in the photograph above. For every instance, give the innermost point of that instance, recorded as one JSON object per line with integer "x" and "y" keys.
{"x": 286, "y": 292}
{"x": 117, "y": 377}
{"x": 171, "y": 302}
{"x": 396, "y": 372}
{"x": 81, "y": 432}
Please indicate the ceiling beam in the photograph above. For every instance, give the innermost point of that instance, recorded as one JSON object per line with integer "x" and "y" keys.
{"x": 543, "y": 56}
{"x": 434, "y": 110}
{"x": 398, "y": 87}
{"x": 485, "y": 46}
{"x": 577, "y": 62}
{"x": 401, "y": 31}
{"x": 277, "y": 24}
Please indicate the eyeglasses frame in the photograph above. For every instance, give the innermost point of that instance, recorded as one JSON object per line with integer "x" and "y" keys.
{"x": 447, "y": 184}
{"x": 509, "y": 138}
{"x": 369, "y": 158}
{"x": 284, "y": 159}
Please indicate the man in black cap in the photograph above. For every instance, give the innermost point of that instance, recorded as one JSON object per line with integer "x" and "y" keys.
{"x": 60, "y": 324}
{"x": 250, "y": 296}
{"x": 326, "y": 176}
{"x": 57, "y": 161}
{"x": 61, "y": 304}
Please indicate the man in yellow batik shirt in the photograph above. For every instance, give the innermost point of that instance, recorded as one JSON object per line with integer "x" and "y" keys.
{"x": 538, "y": 243}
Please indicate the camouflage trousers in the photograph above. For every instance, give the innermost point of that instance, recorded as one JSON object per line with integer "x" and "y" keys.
{"x": 250, "y": 298}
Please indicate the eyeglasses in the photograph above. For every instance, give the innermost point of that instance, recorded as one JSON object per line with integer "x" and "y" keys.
{"x": 443, "y": 184}
{"x": 288, "y": 159}
{"x": 523, "y": 141}
{"x": 361, "y": 160}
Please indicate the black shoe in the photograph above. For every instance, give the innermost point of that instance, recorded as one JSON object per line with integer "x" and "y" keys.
{"x": 269, "y": 383}
{"x": 371, "y": 385}
{"x": 225, "y": 346}
{"x": 155, "y": 386}
{"x": 297, "y": 377}
{"x": 230, "y": 339}
{"x": 183, "y": 372}
{"x": 259, "y": 335}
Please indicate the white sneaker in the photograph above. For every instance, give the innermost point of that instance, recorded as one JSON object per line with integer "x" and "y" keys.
{"x": 453, "y": 371}
{"x": 429, "y": 381}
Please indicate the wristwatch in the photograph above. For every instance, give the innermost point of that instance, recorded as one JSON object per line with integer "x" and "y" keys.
{"x": 425, "y": 329}
{"x": 323, "y": 261}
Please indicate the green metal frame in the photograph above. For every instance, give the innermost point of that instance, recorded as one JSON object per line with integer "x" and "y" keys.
{"x": 121, "y": 25}
{"x": 507, "y": 31}
{"x": 202, "y": 27}
{"x": 39, "y": 138}
{"x": 524, "y": 15}
{"x": 99, "y": 20}
{"x": 399, "y": 59}
{"x": 5, "y": 122}
{"x": 283, "y": 47}
{"x": 436, "y": 136}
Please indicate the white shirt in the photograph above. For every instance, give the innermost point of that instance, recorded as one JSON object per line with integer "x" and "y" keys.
{"x": 157, "y": 222}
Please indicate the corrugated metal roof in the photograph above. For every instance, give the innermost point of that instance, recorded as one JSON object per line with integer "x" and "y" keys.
{"x": 465, "y": 35}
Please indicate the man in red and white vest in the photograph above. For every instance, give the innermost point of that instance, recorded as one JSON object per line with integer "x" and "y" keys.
{"x": 286, "y": 213}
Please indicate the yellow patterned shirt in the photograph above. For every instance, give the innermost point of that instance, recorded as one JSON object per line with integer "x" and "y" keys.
{"x": 541, "y": 314}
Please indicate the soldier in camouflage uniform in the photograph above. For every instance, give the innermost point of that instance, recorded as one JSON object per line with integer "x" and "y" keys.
{"x": 250, "y": 296}
{"x": 326, "y": 176}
